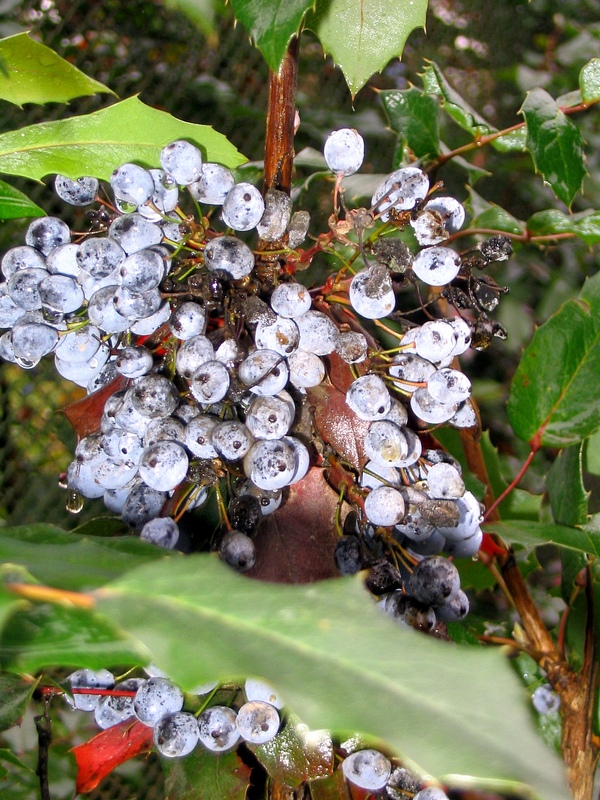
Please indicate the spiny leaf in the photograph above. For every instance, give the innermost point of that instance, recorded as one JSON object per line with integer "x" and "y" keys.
{"x": 555, "y": 144}
{"x": 363, "y": 35}
{"x": 554, "y": 398}
{"x": 16, "y": 205}
{"x": 33, "y": 73}
{"x": 339, "y": 663}
{"x": 272, "y": 24}
{"x": 95, "y": 144}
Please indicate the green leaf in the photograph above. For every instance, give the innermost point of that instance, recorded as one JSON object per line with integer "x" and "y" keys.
{"x": 569, "y": 503}
{"x": 498, "y": 219}
{"x": 514, "y": 141}
{"x": 69, "y": 561}
{"x": 95, "y": 144}
{"x": 589, "y": 81}
{"x": 200, "y": 12}
{"x": 10, "y": 758}
{"x": 414, "y": 115}
{"x": 533, "y": 534}
{"x": 272, "y": 24}
{"x": 15, "y": 694}
{"x": 203, "y": 775}
{"x": 519, "y": 504}
{"x": 321, "y": 645}
{"x": 51, "y": 635}
{"x": 453, "y": 104}
{"x": 564, "y": 483}
{"x": 554, "y": 398}
{"x": 555, "y": 144}
{"x": 586, "y": 224}
{"x": 592, "y": 454}
{"x": 16, "y": 205}
{"x": 363, "y": 35}
{"x": 297, "y": 754}
{"x": 36, "y": 74}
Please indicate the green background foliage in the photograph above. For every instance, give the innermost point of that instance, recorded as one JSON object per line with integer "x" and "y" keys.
{"x": 521, "y": 68}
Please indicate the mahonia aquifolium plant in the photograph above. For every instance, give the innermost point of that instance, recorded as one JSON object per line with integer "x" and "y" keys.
{"x": 211, "y": 348}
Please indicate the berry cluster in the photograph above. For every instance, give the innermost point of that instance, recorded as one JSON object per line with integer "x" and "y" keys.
{"x": 207, "y": 351}
{"x": 252, "y": 716}
{"x": 158, "y": 703}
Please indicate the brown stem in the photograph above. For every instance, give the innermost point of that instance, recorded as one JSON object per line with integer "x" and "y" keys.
{"x": 281, "y": 117}
{"x": 579, "y": 749}
{"x": 575, "y": 689}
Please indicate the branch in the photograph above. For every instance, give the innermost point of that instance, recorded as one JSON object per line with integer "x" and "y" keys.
{"x": 480, "y": 141}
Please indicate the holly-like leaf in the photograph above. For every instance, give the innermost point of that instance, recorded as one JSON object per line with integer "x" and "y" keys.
{"x": 297, "y": 755}
{"x": 435, "y": 84}
{"x": 95, "y": 144}
{"x": 414, "y": 116}
{"x": 296, "y": 543}
{"x": 70, "y": 561}
{"x": 33, "y": 73}
{"x": 340, "y": 664}
{"x": 16, "y": 205}
{"x": 98, "y": 757}
{"x": 15, "y": 694}
{"x": 555, "y": 144}
{"x": 203, "y": 775}
{"x": 553, "y": 222}
{"x": 553, "y": 398}
{"x": 363, "y": 35}
{"x": 272, "y": 24}
{"x": 533, "y": 534}
{"x": 589, "y": 81}
{"x": 47, "y": 635}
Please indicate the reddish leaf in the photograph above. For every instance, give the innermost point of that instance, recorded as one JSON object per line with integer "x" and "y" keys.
{"x": 338, "y": 425}
{"x": 296, "y": 543}
{"x": 100, "y": 755}
{"x": 85, "y": 414}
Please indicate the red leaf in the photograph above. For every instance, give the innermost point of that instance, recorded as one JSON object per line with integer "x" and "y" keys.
{"x": 100, "y": 755}
{"x": 338, "y": 425}
{"x": 296, "y": 543}
{"x": 85, "y": 414}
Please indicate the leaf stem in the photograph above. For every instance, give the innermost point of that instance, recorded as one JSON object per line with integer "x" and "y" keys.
{"x": 480, "y": 141}
{"x": 513, "y": 484}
